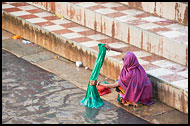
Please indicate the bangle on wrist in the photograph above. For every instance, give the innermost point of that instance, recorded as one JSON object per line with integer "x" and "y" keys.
{"x": 98, "y": 83}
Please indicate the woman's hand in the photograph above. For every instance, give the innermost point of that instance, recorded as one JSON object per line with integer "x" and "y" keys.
{"x": 107, "y": 47}
{"x": 93, "y": 83}
{"x": 113, "y": 49}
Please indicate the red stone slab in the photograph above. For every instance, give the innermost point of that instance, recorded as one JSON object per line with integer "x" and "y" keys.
{"x": 143, "y": 15}
{"x": 159, "y": 29}
{"x": 152, "y": 58}
{"x": 88, "y": 32}
{"x": 115, "y": 14}
{"x": 12, "y": 9}
{"x": 177, "y": 68}
{"x": 51, "y": 18}
{"x": 82, "y": 39}
{"x": 120, "y": 8}
{"x": 130, "y": 48}
{"x": 164, "y": 23}
{"x": 96, "y": 7}
{"x": 19, "y": 4}
{"x": 150, "y": 66}
{"x": 30, "y": 16}
{"x": 137, "y": 22}
{"x": 69, "y": 25}
{"x": 47, "y": 23}
{"x": 108, "y": 40}
{"x": 173, "y": 77}
{"x": 63, "y": 31}
{"x": 35, "y": 11}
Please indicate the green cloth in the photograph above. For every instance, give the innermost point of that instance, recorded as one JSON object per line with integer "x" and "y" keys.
{"x": 92, "y": 98}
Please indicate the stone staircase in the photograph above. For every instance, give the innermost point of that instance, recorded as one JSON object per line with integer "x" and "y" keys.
{"x": 73, "y": 30}
{"x": 143, "y": 30}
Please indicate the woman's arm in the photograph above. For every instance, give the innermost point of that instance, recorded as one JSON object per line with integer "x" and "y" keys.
{"x": 114, "y": 49}
{"x": 117, "y": 50}
{"x": 94, "y": 83}
{"x": 109, "y": 85}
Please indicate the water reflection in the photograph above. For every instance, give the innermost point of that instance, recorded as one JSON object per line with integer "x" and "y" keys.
{"x": 90, "y": 114}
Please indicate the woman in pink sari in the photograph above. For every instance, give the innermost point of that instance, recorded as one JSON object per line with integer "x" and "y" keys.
{"x": 133, "y": 87}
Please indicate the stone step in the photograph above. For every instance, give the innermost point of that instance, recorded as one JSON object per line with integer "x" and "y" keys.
{"x": 143, "y": 30}
{"x": 174, "y": 11}
{"x": 78, "y": 43}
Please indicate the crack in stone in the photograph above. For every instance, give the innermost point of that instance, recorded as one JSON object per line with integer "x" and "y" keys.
{"x": 161, "y": 113}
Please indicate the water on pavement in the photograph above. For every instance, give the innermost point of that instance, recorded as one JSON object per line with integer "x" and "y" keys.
{"x": 33, "y": 95}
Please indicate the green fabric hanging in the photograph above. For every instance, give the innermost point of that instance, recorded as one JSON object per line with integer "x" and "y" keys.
{"x": 92, "y": 98}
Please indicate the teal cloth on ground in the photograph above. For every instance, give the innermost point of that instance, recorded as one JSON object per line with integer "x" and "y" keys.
{"x": 105, "y": 82}
{"x": 92, "y": 98}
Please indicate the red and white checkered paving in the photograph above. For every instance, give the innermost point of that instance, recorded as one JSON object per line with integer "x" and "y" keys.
{"x": 157, "y": 66}
{"x": 139, "y": 19}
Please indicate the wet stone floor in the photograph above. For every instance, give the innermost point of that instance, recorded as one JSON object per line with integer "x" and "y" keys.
{"x": 31, "y": 95}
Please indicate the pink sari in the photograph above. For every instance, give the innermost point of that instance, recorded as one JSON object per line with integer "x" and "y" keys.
{"x": 134, "y": 81}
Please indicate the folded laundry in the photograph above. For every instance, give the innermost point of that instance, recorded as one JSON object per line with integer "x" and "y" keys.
{"x": 103, "y": 90}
